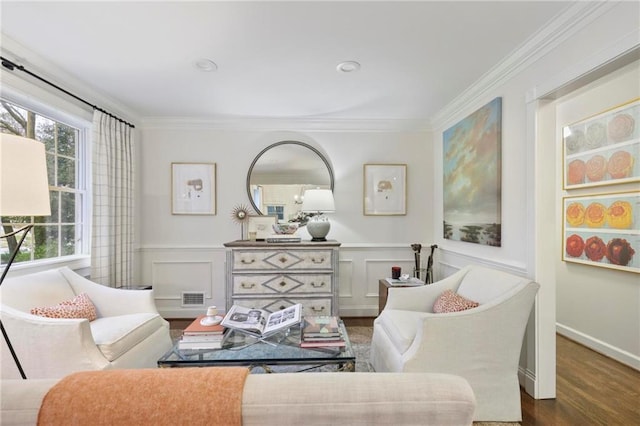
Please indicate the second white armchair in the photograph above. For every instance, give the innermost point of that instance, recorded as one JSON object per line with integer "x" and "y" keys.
{"x": 481, "y": 344}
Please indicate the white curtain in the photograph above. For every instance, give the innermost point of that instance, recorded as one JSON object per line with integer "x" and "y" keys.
{"x": 113, "y": 188}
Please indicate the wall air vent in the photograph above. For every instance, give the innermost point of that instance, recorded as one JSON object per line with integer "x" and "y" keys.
{"x": 192, "y": 298}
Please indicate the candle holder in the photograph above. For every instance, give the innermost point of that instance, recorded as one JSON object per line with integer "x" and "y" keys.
{"x": 212, "y": 317}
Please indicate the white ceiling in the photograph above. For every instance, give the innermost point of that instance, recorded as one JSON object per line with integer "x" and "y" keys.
{"x": 277, "y": 59}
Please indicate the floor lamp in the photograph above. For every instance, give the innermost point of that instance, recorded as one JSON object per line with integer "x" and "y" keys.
{"x": 24, "y": 191}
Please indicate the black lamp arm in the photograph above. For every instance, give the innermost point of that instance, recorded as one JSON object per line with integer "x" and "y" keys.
{"x": 26, "y": 230}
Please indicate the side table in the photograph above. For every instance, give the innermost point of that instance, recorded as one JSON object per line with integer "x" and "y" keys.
{"x": 383, "y": 290}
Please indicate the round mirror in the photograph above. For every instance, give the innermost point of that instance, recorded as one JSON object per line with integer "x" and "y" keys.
{"x": 279, "y": 176}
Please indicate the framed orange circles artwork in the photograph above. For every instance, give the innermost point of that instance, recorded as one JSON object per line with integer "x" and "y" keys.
{"x": 603, "y": 149}
{"x": 602, "y": 230}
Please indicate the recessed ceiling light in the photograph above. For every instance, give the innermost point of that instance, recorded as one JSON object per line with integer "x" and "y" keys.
{"x": 204, "y": 64}
{"x": 348, "y": 66}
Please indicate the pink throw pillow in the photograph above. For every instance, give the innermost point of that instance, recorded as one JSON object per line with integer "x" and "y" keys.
{"x": 78, "y": 307}
{"x": 452, "y": 302}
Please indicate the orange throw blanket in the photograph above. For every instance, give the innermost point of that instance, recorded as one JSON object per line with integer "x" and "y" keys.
{"x": 211, "y": 396}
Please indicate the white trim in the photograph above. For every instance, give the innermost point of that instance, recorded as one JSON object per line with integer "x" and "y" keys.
{"x": 599, "y": 60}
{"x": 359, "y": 310}
{"x": 291, "y": 124}
{"x": 620, "y": 355}
{"x": 354, "y": 246}
{"x": 548, "y": 38}
{"x": 569, "y": 79}
{"x": 452, "y": 259}
{"x": 527, "y": 378}
{"x": 73, "y": 262}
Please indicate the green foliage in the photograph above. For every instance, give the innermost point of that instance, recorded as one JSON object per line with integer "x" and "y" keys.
{"x": 60, "y": 143}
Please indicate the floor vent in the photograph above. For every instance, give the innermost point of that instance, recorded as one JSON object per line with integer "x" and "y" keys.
{"x": 192, "y": 298}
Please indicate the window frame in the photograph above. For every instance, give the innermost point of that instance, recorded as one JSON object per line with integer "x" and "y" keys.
{"x": 82, "y": 257}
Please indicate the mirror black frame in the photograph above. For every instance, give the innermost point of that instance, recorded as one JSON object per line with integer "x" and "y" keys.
{"x": 287, "y": 142}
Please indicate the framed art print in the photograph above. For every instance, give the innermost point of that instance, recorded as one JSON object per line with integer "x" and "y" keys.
{"x": 472, "y": 177}
{"x": 385, "y": 189}
{"x": 193, "y": 188}
{"x": 603, "y": 149}
{"x": 261, "y": 225}
{"x": 603, "y": 230}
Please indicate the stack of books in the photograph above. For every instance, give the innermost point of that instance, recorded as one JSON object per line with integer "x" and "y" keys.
{"x": 198, "y": 336}
{"x": 321, "y": 332}
{"x": 283, "y": 238}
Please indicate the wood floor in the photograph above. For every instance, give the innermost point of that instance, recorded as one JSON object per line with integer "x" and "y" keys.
{"x": 591, "y": 389}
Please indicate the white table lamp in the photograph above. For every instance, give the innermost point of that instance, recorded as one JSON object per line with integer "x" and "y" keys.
{"x": 318, "y": 202}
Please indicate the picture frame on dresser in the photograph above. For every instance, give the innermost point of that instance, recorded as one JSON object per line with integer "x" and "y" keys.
{"x": 262, "y": 225}
{"x": 193, "y": 188}
{"x": 603, "y": 149}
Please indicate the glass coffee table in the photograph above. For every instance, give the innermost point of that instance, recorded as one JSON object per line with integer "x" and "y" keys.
{"x": 239, "y": 349}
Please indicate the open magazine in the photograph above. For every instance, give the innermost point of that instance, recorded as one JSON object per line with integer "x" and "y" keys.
{"x": 261, "y": 323}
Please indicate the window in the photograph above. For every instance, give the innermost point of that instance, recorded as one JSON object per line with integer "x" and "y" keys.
{"x": 276, "y": 211}
{"x": 65, "y": 232}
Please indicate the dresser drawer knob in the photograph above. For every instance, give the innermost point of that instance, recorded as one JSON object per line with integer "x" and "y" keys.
{"x": 247, "y": 262}
{"x": 313, "y": 284}
{"x": 315, "y": 260}
{"x": 248, "y": 285}
{"x": 282, "y": 283}
{"x": 315, "y": 309}
{"x": 283, "y": 259}
{"x": 282, "y": 307}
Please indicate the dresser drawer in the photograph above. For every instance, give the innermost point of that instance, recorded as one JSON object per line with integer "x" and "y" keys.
{"x": 282, "y": 283}
{"x": 310, "y": 305}
{"x": 253, "y": 260}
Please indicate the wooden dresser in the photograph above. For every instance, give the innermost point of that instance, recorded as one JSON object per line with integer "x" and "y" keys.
{"x": 273, "y": 276}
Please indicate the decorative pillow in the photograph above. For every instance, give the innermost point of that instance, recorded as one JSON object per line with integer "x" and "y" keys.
{"x": 452, "y": 302}
{"x": 78, "y": 307}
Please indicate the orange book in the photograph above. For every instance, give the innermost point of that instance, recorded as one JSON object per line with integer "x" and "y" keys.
{"x": 196, "y": 328}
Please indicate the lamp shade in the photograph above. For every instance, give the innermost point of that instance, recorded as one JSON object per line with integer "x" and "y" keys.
{"x": 24, "y": 187}
{"x": 318, "y": 201}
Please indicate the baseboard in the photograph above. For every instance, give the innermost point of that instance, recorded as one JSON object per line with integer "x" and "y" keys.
{"x": 622, "y": 356}
{"x": 527, "y": 380}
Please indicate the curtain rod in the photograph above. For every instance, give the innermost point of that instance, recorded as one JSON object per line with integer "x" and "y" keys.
{"x": 10, "y": 65}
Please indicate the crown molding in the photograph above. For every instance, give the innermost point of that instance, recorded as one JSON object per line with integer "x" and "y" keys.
{"x": 289, "y": 124}
{"x": 562, "y": 27}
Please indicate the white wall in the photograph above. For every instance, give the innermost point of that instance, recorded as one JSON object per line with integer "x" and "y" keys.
{"x": 602, "y": 32}
{"x": 596, "y": 306}
{"x": 185, "y": 253}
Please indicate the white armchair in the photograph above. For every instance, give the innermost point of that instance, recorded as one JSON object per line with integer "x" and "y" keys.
{"x": 128, "y": 333}
{"x": 481, "y": 344}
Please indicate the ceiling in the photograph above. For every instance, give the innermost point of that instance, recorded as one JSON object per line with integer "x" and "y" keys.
{"x": 276, "y": 59}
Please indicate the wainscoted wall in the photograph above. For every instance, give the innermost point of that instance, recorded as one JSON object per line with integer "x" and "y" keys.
{"x": 185, "y": 253}
{"x": 179, "y": 273}
{"x": 176, "y": 272}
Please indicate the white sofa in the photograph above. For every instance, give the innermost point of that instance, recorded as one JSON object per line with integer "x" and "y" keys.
{"x": 304, "y": 398}
{"x": 481, "y": 344}
{"x": 128, "y": 333}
